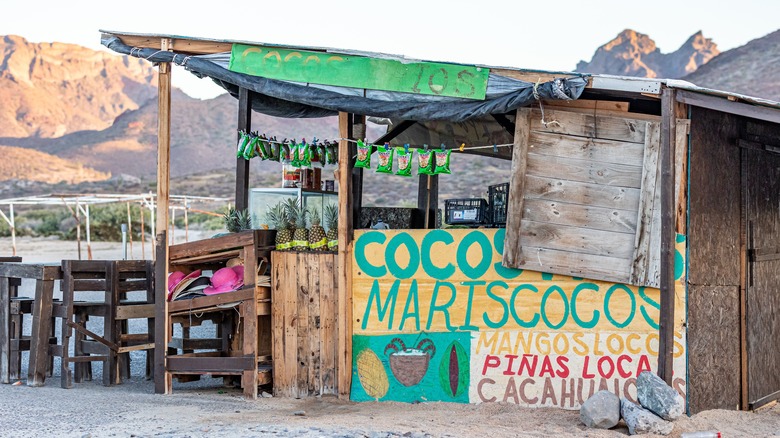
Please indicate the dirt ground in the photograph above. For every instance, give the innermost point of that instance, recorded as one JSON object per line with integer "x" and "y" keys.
{"x": 206, "y": 408}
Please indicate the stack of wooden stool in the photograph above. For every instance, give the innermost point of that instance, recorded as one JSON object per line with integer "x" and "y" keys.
{"x": 12, "y": 338}
{"x": 115, "y": 281}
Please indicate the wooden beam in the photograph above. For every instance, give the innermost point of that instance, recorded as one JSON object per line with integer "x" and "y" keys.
{"x": 531, "y": 75}
{"x": 183, "y": 45}
{"x": 513, "y": 255}
{"x": 505, "y": 123}
{"x": 724, "y": 105}
{"x": 395, "y": 131}
{"x": 242, "y": 165}
{"x": 163, "y": 182}
{"x": 666, "y": 161}
{"x": 745, "y": 242}
{"x": 428, "y": 199}
{"x": 358, "y": 131}
{"x": 344, "y": 306}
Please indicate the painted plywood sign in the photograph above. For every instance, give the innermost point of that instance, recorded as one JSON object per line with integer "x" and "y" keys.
{"x": 431, "y": 78}
{"x": 438, "y": 318}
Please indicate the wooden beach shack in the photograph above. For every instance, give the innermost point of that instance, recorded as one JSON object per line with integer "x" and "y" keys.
{"x": 642, "y": 233}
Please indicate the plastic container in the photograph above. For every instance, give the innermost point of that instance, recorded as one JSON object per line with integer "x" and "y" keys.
{"x": 291, "y": 176}
{"x": 498, "y": 197}
{"x": 468, "y": 211}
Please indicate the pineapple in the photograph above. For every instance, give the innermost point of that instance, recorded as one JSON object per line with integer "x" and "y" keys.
{"x": 317, "y": 239}
{"x": 290, "y": 206}
{"x": 277, "y": 218}
{"x": 298, "y": 218}
{"x": 236, "y": 220}
{"x": 331, "y": 217}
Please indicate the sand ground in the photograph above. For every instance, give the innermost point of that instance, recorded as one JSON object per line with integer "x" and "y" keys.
{"x": 206, "y": 408}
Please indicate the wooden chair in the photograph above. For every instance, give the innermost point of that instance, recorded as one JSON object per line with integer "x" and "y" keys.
{"x": 113, "y": 281}
{"x": 12, "y": 337}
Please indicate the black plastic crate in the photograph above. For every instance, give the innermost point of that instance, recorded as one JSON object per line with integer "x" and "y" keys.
{"x": 467, "y": 211}
{"x": 498, "y": 196}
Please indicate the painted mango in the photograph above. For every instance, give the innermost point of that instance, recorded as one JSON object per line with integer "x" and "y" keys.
{"x": 372, "y": 374}
{"x": 454, "y": 370}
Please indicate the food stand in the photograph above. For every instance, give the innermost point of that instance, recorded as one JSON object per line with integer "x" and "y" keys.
{"x": 587, "y": 286}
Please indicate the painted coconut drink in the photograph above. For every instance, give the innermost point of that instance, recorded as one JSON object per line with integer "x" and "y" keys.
{"x": 409, "y": 365}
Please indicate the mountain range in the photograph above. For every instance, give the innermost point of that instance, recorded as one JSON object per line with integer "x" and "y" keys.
{"x": 70, "y": 115}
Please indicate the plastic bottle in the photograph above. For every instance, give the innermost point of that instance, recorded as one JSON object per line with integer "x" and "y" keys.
{"x": 701, "y": 434}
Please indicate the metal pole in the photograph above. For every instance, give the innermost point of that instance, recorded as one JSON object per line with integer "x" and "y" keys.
{"x": 173, "y": 226}
{"x": 78, "y": 228}
{"x": 130, "y": 230}
{"x": 186, "y": 222}
{"x": 89, "y": 241}
{"x": 151, "y": 214}
{"x": 13, "y": 230}
{"x": 124, "y": 241}
{"x": 143, "y": 235}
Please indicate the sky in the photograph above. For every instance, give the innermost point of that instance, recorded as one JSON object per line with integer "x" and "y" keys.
{"x": 541, "y": 35}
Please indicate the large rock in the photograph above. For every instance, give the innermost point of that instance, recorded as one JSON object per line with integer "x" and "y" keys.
{"x": 641, "y": 421}
{"x": 658, "y": 397}
{"x": 602, "y": 410}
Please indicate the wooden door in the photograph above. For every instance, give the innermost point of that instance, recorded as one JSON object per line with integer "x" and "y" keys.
{"x": 761, "y": 203}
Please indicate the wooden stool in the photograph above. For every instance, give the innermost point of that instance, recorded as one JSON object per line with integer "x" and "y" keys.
{"x": 13, "y": 338}
{"x": 116, "y": 281}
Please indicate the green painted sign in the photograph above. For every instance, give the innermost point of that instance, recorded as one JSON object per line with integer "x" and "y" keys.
{"x": 429, "y": 78}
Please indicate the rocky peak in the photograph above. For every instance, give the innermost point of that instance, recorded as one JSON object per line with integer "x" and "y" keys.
{"x": 50, "y": 89}
{"x": 632, "y": 53}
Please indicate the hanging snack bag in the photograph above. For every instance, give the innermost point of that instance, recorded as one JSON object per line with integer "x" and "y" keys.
{"x": 404, "y": 161}
{"x": 304, "y": 155}
{"x": 442, "y": 161}
{"x": 333, "y": 153}
{"x": 425, "y": 162}
{"x": 284, "y": 153}
{"x": 261, "y": 148}
{"x": 385, "y": 157}
{"x": 249, "y": 149}
{"x": 363, "y": 155}
{"x": 295, "y": 159}
{"x": 243, "y": 140}
{"x": 314, "y": 155}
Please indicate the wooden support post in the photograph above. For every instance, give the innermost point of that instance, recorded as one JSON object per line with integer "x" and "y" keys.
{"x": 161, "y": 378}
{"x": 745, "y": 242}
{"x": 668, "y": 215}
{"x": 513, "y": 254}
{"x": 344, "y": 306}
{"x": 358, "y": 131}
{"x": 242, "y": 165}
{"x": 428, "y": 199}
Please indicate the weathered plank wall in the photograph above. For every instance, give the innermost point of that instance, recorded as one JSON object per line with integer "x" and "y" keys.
{"x": 762, "y": 195}
{"x": 713, "y": 257}
{"x": 304, "y": 296}
{"x": 584, "y": 196}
